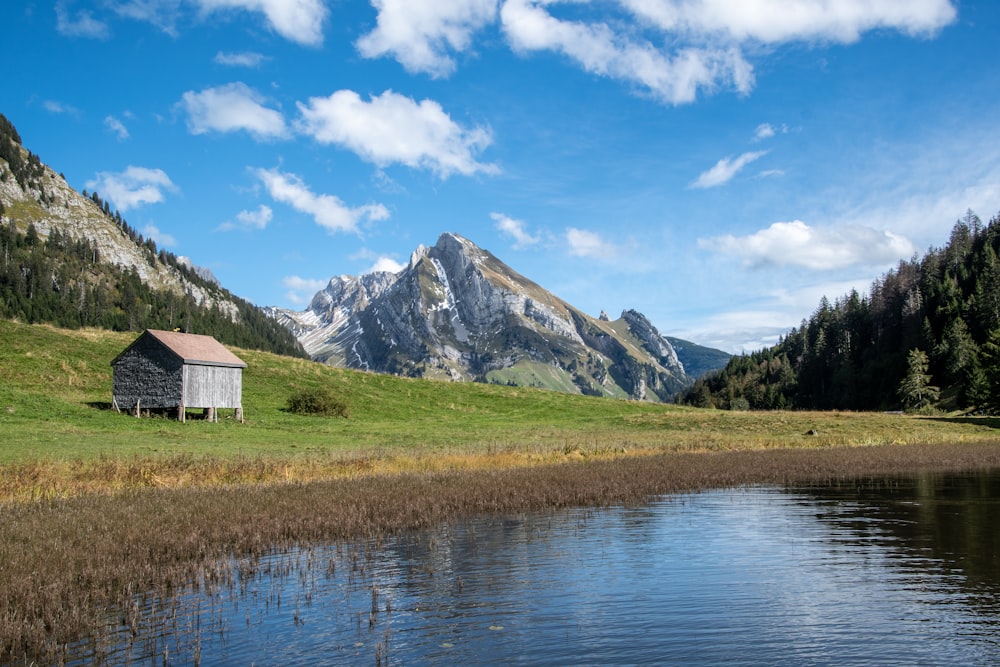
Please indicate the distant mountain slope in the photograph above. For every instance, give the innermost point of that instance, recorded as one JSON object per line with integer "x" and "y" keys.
{"x": 70, "y": 260}
{"x": 697, "y": 359}
{"x": 458, "y": 312}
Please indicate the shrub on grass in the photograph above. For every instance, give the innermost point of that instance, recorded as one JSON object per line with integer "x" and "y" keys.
{"x": 318, "y": 401}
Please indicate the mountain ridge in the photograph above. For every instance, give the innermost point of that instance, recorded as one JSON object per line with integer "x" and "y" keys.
{"x": 456, "y": 311}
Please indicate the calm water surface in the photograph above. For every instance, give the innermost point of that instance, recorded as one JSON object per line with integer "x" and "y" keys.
{"x": 900, "y": 572}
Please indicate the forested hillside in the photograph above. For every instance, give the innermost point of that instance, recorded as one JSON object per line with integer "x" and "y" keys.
{"x": 62, "y": 281}
{"x": 927, "y": 336}
{"x": 61, "y": 277}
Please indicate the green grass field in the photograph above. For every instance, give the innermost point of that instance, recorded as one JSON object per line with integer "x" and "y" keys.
{"x": 55, "y": 389}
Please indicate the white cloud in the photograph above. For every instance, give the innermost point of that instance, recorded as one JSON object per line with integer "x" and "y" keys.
{"x": 161, "y": 239}
{"x": 80, "y": 24}
{"x": 819, "y": 249}
{"x": 775, "y": 21}
{"x": 741, "y": 331}
{"x": 387, "y": 264}
{"x": 763, "y": 131}
{"x": 514, "y": 229}
{"x": 53, "y": 106}
{"x": 301, "y": 290}
{"x": 599, "y": 49}
{"x": 297, "y": 20}
{"x": 393, "y": 128}
{"x": 116, "y": 127}
{"x": 422, "y": 34}
{"x": 258, "y": 219}
{"x": 328, "y": 211}
{"x": 705, "y": 38}
{"x": 584, "y": 243}
{"x": 725, "y": 169}
{"x": 133, "y": 187}
{"x": 164, "y": 14}
{"x": 244, "y": 59}
{"x": 231, "y": 108}
{"x": 383, "y": 263}
{"x": 768, "y": 318}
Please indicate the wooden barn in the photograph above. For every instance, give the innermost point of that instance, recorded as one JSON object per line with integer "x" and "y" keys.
{"x": 168, "y": 370}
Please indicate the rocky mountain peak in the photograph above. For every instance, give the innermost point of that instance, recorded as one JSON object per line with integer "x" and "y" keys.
{"x": 458, "y": 312}
{"x": 651, "y": 340}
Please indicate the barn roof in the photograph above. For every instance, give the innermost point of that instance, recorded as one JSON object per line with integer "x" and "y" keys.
{"x": 193, "y": 348}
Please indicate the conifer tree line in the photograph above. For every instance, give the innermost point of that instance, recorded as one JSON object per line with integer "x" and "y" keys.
{"x": 925, "y": 337}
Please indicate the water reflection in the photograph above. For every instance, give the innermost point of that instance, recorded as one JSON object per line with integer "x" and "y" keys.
{"x": 883, "y": 572}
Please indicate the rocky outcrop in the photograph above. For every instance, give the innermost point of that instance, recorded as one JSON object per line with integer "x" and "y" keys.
{"x": 458, "y": 312}
{"x": 651, "y": 340}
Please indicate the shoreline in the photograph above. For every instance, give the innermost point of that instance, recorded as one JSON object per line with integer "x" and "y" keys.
{"x": 65, "y": 558}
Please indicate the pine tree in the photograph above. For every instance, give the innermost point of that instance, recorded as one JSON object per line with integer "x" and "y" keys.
{"x": 916, "y": 390}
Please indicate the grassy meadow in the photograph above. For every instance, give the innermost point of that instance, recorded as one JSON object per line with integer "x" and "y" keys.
{"x": 98, "y": 507}
{"x": 60, "y": 437}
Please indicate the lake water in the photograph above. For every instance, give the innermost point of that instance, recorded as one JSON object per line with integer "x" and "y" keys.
{"x": 900, "y": 572}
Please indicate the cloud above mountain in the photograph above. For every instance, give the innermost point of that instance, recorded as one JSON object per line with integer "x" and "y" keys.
{"x": 394, "y": 129}
{"x": 820, "y": 249}
{"x": 516, "y": 230}
{"x": 328, "y": 211}
{"x": 133, "y": 187}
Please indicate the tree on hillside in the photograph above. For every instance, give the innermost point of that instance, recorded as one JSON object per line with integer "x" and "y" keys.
{"x": 916, "y": 390}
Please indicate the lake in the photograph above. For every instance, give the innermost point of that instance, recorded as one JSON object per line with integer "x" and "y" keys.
{"x": 901, "y": 571}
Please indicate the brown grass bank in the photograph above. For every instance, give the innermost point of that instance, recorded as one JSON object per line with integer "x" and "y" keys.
{"x": 63, "y": 561}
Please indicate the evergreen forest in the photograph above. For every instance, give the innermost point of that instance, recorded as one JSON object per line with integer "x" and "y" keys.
{"x": 926, "y": 337}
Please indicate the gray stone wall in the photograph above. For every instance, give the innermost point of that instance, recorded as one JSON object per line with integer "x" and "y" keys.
{"x": 149, "y": 374}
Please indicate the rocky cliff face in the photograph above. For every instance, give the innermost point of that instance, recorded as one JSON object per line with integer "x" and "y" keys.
{"x": 32, "y": 193}
{"x": 458, "y": 312}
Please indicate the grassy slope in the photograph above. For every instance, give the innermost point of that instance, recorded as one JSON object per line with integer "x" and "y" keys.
{"x": 51, "y": 381}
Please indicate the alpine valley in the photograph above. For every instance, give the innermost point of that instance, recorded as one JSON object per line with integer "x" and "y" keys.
{"x": 457, "y": 312}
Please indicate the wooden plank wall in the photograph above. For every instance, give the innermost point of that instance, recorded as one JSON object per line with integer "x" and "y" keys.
{"x": 212, "y": 387}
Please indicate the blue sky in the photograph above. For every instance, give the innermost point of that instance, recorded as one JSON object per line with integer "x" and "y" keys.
{"x": 718, "y": 165}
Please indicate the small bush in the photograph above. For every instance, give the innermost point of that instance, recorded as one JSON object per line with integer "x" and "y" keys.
{"x": 319, "y": 401}
{"x": 739, "y": 404}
